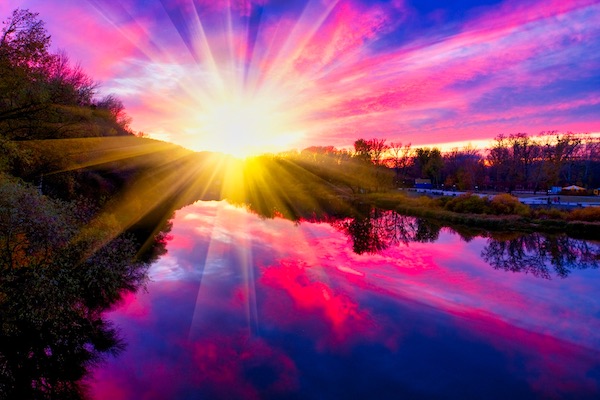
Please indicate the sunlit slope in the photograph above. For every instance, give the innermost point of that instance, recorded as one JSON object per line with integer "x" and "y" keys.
{"x": 132, "y": 179}
{"x": 59, "y": 155}
{"x": 145, "y": 180}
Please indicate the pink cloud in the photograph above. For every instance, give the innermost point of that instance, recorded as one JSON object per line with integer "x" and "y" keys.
{"x": 421, "y": 78}
{"x": 241, "y": 7}
{"x": 346, "y": 31}
{"x": 312, "y": 297}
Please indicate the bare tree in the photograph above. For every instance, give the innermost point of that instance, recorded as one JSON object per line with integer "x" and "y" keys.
{"x": 401, "y": 159}
{"x": 24, "y": 40}
{"x": 371, "y": 150}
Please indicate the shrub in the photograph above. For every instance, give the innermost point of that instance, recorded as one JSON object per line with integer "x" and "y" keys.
{"x": 505, "y": 204}
{"x": 589, "y": 214}
{"x": 549, "y": 213}
{"x": 442, "y": 201}
{"x": 468, "y": 203}
{"x": 424, "y": 201}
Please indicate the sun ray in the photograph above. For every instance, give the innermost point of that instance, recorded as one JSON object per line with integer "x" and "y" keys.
{"x": 246, "y": 262}
{"x": 299, "y": 38}
{"x": 334, "y": 69}
{"x": 225, "y": 254}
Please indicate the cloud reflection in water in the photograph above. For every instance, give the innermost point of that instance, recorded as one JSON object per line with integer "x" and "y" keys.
{"x": 244, "y": 307}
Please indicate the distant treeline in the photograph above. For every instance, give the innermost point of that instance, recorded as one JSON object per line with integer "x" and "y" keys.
{"x": 514, "y": 162}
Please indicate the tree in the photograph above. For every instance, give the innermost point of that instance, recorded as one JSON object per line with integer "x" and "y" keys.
{"x": 589, "y": 151}
{"x": 68, "y": 84}
{"x": 362, "y": 150}
{"x": 45, "y": 96}
{"x": 24, "y": 41}
{"x": 508, "y": 159}
{"x": 430, "y": 163}
{"x": 498, "y": 159}
{"x": 401, "y": 159}
{"x": 319, "y": 154}
{"x": 523, "y": 154}
{"x": 378, "y": 148}
{"x": 556, "y": 151}
{"x": 114, "y": 106}
{"x": 371, "y": 150}
{"x": 58, "y": 273}
{"x": 463, "y": 168}
{"x": 24, "y": 45}
{"x": 532, "y": 163}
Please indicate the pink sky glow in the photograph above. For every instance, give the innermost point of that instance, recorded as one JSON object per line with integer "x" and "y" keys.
{"x": 270, "y": 75}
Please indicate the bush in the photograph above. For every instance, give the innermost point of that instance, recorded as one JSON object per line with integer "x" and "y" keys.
{"x": 589, "y": 214}
{"x": 468, "y": 203}
{"x": 505, "y": 204}
{"x": 549, "y": 213}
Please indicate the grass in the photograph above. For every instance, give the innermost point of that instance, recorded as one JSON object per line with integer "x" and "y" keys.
{"x": 71, "y": 154}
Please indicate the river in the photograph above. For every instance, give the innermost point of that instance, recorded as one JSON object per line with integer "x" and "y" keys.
{"x": 248, "y": 307}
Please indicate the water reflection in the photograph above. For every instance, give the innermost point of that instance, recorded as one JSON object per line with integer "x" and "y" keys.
{"x": 376, "y": 230}
{"x": 247, "y": 307}
{"x": 536, "y": 253}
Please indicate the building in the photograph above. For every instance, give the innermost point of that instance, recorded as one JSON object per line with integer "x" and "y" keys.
{"x": 423, "y": 184}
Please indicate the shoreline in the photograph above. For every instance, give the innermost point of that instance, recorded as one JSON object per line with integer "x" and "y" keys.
{"x": 512, "y": 222}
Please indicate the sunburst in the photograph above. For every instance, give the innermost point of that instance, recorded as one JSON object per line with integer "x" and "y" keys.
{"x": 243, "y": 126}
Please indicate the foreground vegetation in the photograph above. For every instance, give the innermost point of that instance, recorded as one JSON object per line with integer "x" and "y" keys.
{"x": 66, "y": 254}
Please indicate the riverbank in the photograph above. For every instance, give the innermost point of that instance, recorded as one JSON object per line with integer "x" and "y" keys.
{"x": 526, "y": 219}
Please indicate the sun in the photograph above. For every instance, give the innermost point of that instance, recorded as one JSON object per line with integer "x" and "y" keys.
{"x": 243, "y": 126}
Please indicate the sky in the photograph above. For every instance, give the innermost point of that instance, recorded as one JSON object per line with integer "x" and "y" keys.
{"x": 250, "y": 76}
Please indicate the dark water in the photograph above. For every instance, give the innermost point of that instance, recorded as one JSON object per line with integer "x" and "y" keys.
{"x": 244, "y": 307}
